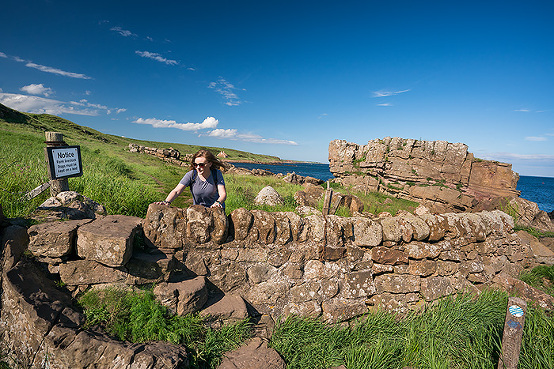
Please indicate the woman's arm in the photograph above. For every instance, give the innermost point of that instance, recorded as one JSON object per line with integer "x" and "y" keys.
{"x": 222, "y": 195}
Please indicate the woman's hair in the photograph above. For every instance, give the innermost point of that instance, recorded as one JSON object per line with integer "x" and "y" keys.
{"x": 216, "y": 163}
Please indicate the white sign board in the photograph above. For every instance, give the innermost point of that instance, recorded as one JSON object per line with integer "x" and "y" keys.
{"x": 65, "y": 161}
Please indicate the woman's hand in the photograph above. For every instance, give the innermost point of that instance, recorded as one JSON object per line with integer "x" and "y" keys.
{"x": 162, "y": 203}
{"x": 216, "y": 204}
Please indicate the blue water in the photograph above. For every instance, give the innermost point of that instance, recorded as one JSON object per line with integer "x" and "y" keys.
{"x": 537, "y": 189}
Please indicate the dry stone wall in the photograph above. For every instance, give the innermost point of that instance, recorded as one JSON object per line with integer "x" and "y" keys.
{"x": 441, "y": 173}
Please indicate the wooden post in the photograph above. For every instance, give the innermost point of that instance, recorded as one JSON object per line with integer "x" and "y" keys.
{"x": 513, "y": 333}
{"x": 327, "y": 200}
{"x": 55, "y": 139}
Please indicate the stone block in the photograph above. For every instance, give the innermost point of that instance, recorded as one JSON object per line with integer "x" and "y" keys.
{"x": 199, "y": 224}
{"x": 391, "y": 229}
{"x": 367, "y": 232}
{"x": 358, "y": 284}
{"x": 227, "y": 276}
{"x": 230, "y": 308}
{"x": 397, "y": 283}
{"x": 254, "y": 354}
{"x": 433, "y": 288}
{"x": 283, "y": 232}
{"x": 108, "y": 240}
{"x": 242, "y": 221}
{"x": 147, "y": 268}
{"x": 87, "y": 272}
{"x": 260, "y": 272}
{"x": 54, "y": 239}
{"x": 14, "y": 242}
{"x": 388, "y": 256}
{"x": 421, "y": 250}
{"x": 183, "y": 297}
{"x": 423, "y": 268}
{"x": 308, "y": 308}
{"x": 263, "y": 228}
{"x": 164, "y": 226}
{"x": 338, "y": 310}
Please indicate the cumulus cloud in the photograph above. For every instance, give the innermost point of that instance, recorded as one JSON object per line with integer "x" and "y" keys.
{"x": 123, "y": 32}
{"x": 39, "y": 89}
{"x": 385, "y": 104}
{"x": 508, "y": 156}
{"x": 386, "y": 93}
{"x": 534, "y": 138}
{"x": 226, "y": 89}
{"x": 41, "y": 105}
{"x": 156, "y": 57}
{"x": 2, "y": 55}
{"x": 209, "y": 122}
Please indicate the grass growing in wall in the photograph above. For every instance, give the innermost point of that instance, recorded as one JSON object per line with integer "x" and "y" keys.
{"x": 136, "y": 316}
{"x": 458, "y": 332}
{"x": 541, "y": 277}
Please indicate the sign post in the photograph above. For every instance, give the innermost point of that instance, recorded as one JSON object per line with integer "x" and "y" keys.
{"x": 513, "y": 333}
{"x": 63, "y": 162}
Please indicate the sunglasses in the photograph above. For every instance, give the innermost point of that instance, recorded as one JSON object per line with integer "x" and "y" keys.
{"x": 201, "y": 165}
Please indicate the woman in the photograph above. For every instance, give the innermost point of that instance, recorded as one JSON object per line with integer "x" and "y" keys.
{"x": 205, "y": 180}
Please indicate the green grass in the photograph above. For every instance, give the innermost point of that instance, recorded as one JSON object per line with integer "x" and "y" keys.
{"x": 136, "y": 316}
{"x": 534, "y": 232}
{"x": 541, "y": 277}
{"x": 457, "y": 332}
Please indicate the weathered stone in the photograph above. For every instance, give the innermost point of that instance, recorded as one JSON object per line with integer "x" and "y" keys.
{"x": 422, "y": 268}
{"x": 183, "y": 297}
{"x": 433, "y": 288}
{"x": 164, "y": 226}
{"x": 522, "y": 289}
{"x": 242, "y": 222}
{"x": 283, "y": 232}
{"x": 310, "y": 196}
{"x": 315, "y": 269}
{"x": 255, "y": 354}
{"x": 86, "y": 272}
{"x": 292, "y": 271}
{"x": 382, "y": 268}
{"x": 54, "y": 239}
{"x": 263, "y": 228}
{"x": 268, "y": 196}
{"x": 338, "y": 310}
{"x": 541, "y": 253}
{"x": 385, "y": 255}
{"x": 145, "y": 268}
{"x": 436, "y": 232}
{"x": 308, "y": 308}
{"x": 393, "y": 302}
{"x": 14, "y": 242}
{"x": 420, "y": 228}
{"x": 199, "y": 224}
{"x": 447, "y": 267}
{"x": 421, "y": 250}
{"x": 230, "y": 308}
{"x": 260, "y": 272}
{"x": 359, "y": 284}
{"x": 252, "y": 255}
{"x": 367, "y": 232}
{"x": 220, "y": 226}
{"x": 391, "y": 229}
{"x": 314, "y": 229}
{"x": 227, "y": 276}
{"x": 278, "y": 256}
{"x": 397, "y": 283}
{"x": 196, "y": 264}
{"x": 108, "y": 240}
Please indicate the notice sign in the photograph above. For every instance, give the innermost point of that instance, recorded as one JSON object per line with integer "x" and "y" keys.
{"x": 64, "y": 161}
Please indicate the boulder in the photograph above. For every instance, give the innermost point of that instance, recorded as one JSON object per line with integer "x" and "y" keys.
{"x": 69, "y": 205}
{"x": 254, "y": 354}
{"x": 108, "y": 240}
{"x": 268, "y": 196}
{"x": 310, "y": 196}
{"x": 88, "y": 272}
{"x": 14, "y": 242}
{"x": 522, "y": 289}
{"x": 242, "y": 220}
{"x": 54, "y": 239}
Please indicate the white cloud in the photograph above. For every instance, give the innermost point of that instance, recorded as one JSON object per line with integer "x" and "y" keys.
{"x": 385, "y": 93}
{"x": 60, "y": 72}
{"x": 156, "y": 57}
{"x": 209, "y": 122}
{"x": 37, "y": 90}
{"x": 523, "y": 110}
{"x": 121, "y": 110}
{"x": 41, "y": 105}
{"x": 123, "y": 32}
{"x": 385, "y": 104}
{"x": 323, "y": 115}
{"x": 532, "y": 138}
{"x": 2, "y": 55}
{"x": 233, "y": 134}
{"x": 225, "y": 89}
{"x": 507, "y": 156}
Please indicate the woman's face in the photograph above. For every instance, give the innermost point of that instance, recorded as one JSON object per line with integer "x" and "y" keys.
{"x": 202, "y": 165}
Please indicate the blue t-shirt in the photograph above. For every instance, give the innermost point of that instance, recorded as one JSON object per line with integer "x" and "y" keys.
{"x": 203, "y": 192}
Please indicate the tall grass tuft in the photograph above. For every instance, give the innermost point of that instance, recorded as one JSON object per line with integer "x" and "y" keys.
{"x": 460, "y": 331}
{"x": 136, "y": 316}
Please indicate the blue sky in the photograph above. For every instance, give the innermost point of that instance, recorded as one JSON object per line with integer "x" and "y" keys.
{"x": 286, "y": 77}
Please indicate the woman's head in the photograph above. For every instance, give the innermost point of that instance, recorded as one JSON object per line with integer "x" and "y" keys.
{"x": 205, "y": 159}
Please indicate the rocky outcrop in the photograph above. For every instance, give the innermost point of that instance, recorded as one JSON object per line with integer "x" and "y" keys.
{"x": 444, "y": 175}
{"x": 170, "y": 155}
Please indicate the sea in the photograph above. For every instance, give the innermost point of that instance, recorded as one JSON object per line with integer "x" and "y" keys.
{"x": 537, "y": 189}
